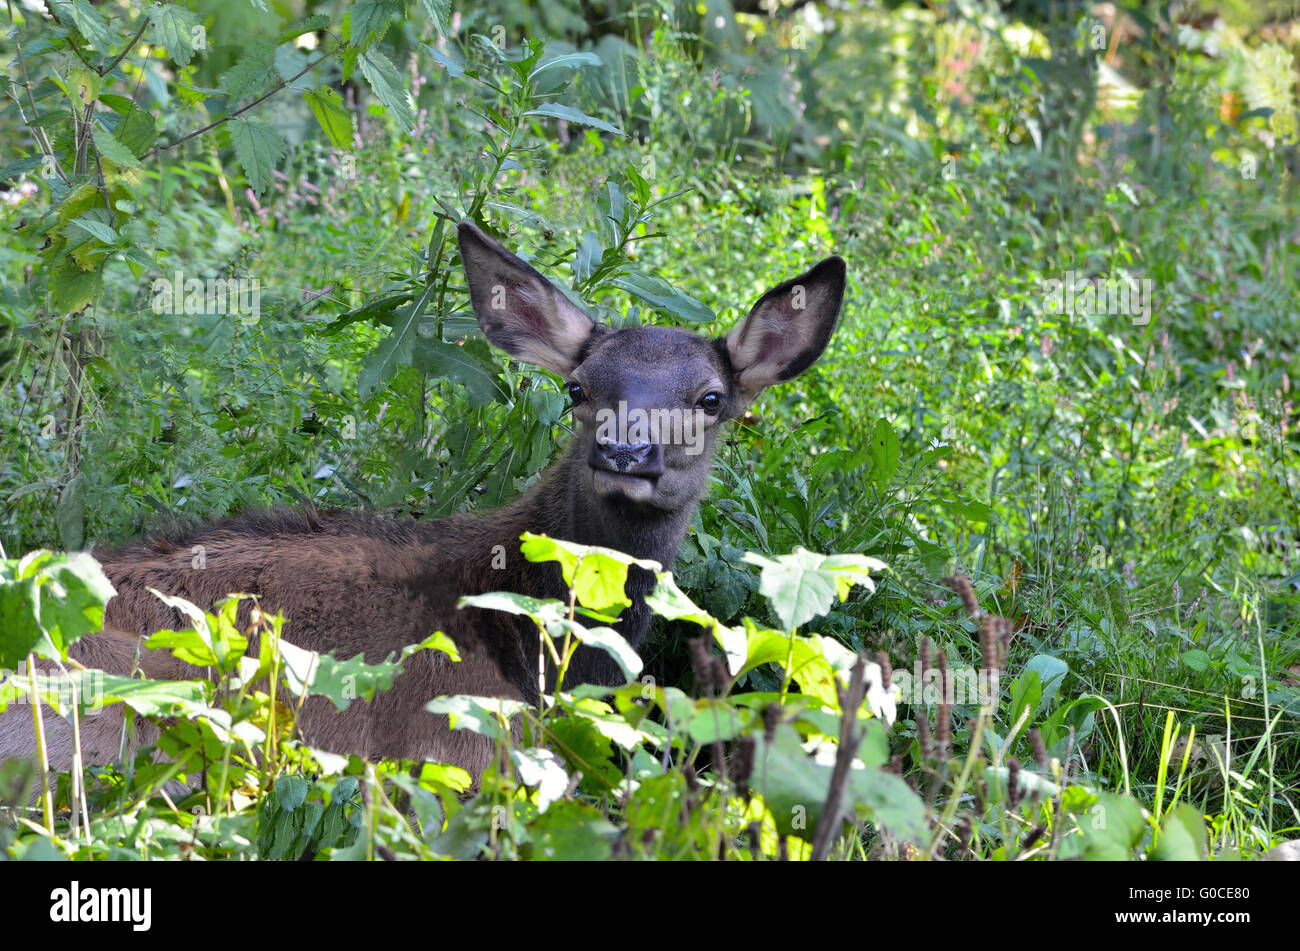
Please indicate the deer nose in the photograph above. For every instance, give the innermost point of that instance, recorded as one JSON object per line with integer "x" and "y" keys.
{"x": 638, "y": 459}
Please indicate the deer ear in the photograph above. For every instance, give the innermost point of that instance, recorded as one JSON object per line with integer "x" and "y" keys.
{"x": 519, "y": 310}
{"x": 787, "y": 330}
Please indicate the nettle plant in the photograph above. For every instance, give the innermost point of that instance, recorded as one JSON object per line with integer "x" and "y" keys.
{"x": 801, "y": 771}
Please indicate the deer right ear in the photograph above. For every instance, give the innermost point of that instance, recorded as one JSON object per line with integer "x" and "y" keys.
{"x": 787, "y": 330}
{"x": 519, "y": 310}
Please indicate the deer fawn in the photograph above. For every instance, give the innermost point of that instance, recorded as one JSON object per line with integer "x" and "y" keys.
{"x": 356, "y": 583}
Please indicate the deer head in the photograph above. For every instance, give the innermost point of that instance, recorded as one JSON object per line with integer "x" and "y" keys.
{"x": 648, "y": 400}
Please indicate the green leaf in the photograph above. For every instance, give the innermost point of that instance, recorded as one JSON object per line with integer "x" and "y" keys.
{"x": 248, "y": 77}
{"x": 137, "y": 131}
{"x": 291, "y": 792}
{"x": 803, "y": 585}
{"x": 572, "y": 832}
{"x": 440, "y": 13}
{"x": 16, "y": 168}
{"x": 20, "y": 626}
{"x": 570, "y": 114}
{"x": 662, "y": 296}
{"x": 567, "y": 61}
{"x": 110, "y": 148}
{"x": 308, "y": 24}
{"x": 1112, "y": 828}
{"x": 542, "y": 770}
{"x": 887, "y": 800}
{"x": 47, "y": 601}
{"x": 597, "y": 575}
{"x": 71, "y": 513}
{"x": 1197, "y": 660}
{"x": 483, "y": 715}
{"x": 437, "y": 641}
{"x": 100, "y": 232}
{"x": 457, "y": 363}
{"x": 1182, "y": 836}
{"x": 257, "y": 147}
{"x": 388, "y": 86}
{"x": 335, "y": 120}
{"x": 369, "y": 17}
{"x": 605, "y": 638}
{"x": 511, "y": 603}
{"x": 89, "y": 22}
{"x": 72, "y": 287}
{"x": 173, "y": 28}
{"x": 884, "y": 452}
{"x": 1051, "y": 674}
{"x": 397, "y": 349}
{"x": 342, "y": 681}
{"x": 158, "y": 698}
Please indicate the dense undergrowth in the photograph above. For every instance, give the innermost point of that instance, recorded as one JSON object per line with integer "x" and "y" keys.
{"x": 1064, "y": 370}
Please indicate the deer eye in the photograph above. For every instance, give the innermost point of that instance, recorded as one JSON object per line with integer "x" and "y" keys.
{"x": 711, "y": 403}
{"x": 575, "y": 393}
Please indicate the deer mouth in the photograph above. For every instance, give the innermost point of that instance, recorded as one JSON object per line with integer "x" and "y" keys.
{"x": 635, "y": 488}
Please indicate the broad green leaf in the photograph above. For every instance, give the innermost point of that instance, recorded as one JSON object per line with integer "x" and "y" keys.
{"x": 291, "y": 792}
{"x": 572, "y": 832}
{"x": 342, "y": 681}
{"x": 71, "y": 513}
{"x": 441, "y": 359}
{"x": 367, "y": 17}
{"x": 567, "y": 61}
{"x": 89, "y": 22}
{"x": 884, "y": 452}
{"x": 605, "y": 638}
{"x": 335, "y": 121}
{"x": 437, "y": 641}
{"x": 248, "y": 77}
{"x": 110, "y": 148}
{"x": 20, "y": 626}
{"x": 173, "y": 28}
{"x": 483, "y": 715}
{"x": 543, "y": 770}
{"x": 388, "y": 86}
{"x": 137, "y": 131}
{"x": 887, "y": 800}
{"x": 74, "y": 288}
{"x": 47, "y": 601}
{"x": 159, "y": 698}
{"x": 1051, "y": 674}
{"x": 1182, "y": 836}
{"x": 717, "y": 720}
{"x": 20, "y": 166}
{"x": 439, "y": 12}
{"x": 1112, "y": 828}
{"x": 308, "y": 24}
{"x": 257, "y": 147}
{"x": 597, "y": 575}
{"x": 662, "y": 296}
{"x": 542, "y": 610}
{"x": 100, "y": 232}
{"x": 804, "y": 585}
{"x": 570, "y": 114}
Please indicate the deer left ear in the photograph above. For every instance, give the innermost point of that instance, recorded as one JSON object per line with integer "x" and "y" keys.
{"x": 787, "y": 330}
